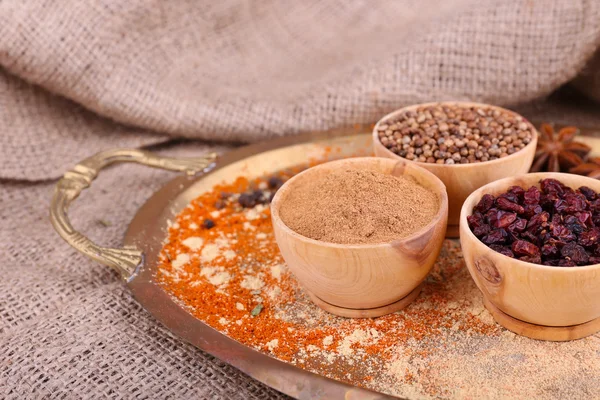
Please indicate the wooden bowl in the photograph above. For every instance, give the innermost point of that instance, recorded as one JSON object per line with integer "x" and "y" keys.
{"x": 542, "y": 296}
{"x": 362, "y": 280}
{"x": 462, "y": 179}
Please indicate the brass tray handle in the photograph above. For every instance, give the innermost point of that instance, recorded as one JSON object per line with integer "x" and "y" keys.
{"x": 124, "y": 260}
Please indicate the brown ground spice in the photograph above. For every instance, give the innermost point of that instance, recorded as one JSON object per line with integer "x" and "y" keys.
{"x": 354, "y": 206}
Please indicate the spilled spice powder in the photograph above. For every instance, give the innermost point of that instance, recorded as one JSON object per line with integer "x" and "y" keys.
{"x": 354, "y": 206}
{"x": 444, "y": 345}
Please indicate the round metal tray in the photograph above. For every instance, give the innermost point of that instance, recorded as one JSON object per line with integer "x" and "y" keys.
{"x": 137, "y": 260}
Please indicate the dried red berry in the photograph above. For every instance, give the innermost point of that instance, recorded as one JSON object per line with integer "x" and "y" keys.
{"x": 574, "y": 224}
{"x": 566, "y": 263}
{"x": 532, "y": 195}
{"x": 502, "y": 250}
{"x": 544, "y": 236}
{"x": 575, "y": 203}
{"x": 504, "y": 204}
{"x": 510, "y": 196}
{"x": 551, "y": 263}
{"x": 530, "y": 235}
{"x": 524, "y": 248}
{"x": 562, "y": 233}
{"x": 517, "y": 191}
{"x": 550, "y": 250}
{"x": 476, "y": 220}
{"x": 585, "y": 218}
{"x": 574, "y": 252}
{"x": 589, "y": 238}
{"x": 552, "y": 186}
{"x": 560, "y": 206}
{"x": 499, "y": 218}
{"x": 539, "y": 220}
{"x": 547, "y": 201}
{"x": 518, "y": 226}
{"x": 531, "y": 210}
{"x": 495, "y": 237}
{"x": 531, "y": 259}
{"x": 588, "y": 193}
{"x": 481, "y": 230}
{"x": 554, "y": 226}
{"x": 486, "y": 202}
{"x": 556, "y": 219}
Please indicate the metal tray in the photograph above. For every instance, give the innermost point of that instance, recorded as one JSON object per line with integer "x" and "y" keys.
{"x": 136, "y": 261}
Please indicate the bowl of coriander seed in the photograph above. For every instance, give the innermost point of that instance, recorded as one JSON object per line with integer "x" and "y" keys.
{"x": 466, "y": 145}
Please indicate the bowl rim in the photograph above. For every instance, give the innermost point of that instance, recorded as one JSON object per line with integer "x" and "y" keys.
{"x": 437, "y": 219}
{"x": 533, "y": 141}
{"x": 478, "y": 193}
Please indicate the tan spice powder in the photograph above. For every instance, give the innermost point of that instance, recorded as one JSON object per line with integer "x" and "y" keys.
{"x": 354, "y": 206}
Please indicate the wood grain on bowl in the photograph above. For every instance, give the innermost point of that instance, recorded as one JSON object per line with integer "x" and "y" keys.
{"x": 362, "y": 276}
{"x": 541, "y": 332}
{"x": 531, "y": 293}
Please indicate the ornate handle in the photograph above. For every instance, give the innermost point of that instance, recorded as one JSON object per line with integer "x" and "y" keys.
{"x": 127, "y": 259}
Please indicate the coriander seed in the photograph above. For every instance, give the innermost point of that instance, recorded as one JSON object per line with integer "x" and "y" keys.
{"x": 455, "y": 134}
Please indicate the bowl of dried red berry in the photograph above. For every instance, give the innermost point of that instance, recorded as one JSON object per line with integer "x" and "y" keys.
{"x": 466, "y": 145}
{"x": 532, "y": 246}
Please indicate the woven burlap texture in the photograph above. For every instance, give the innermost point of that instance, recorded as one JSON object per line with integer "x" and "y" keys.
{"x": 237, "y": 70}
{"x": 588, "y": 80}
{"x": 79, "y": 76}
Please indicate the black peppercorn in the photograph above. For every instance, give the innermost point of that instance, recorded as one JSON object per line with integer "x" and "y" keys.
{"x": 247, "y": 200}
{"x": 275, "y": 182}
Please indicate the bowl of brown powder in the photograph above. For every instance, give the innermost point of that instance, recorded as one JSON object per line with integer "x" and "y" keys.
{"x": 466, "y": 145}
{"x": 361, "y": 234}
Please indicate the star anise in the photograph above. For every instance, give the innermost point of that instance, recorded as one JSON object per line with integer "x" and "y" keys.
{"x": 558, "y": 151}
{"x": 590, "y": 168}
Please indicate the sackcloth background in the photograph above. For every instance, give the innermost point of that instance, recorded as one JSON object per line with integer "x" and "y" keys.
{"x": 80, "y": 76}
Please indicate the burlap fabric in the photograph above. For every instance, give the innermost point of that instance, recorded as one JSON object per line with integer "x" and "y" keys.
{"x": 237, "y": 70}
{"x": 588, "y": 80}
{"x": 78, "y": 76}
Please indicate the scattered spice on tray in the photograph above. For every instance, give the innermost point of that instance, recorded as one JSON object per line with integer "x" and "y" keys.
{"x": 233, "y": 277}
{"x": 558, "y": 151}
{"x": 104, "y": 223}
{"x": 444, "y": 345}
{"x": 552, "y": 225}
{"x": 354, "y": 206}
{"x": 455, "y": 134}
